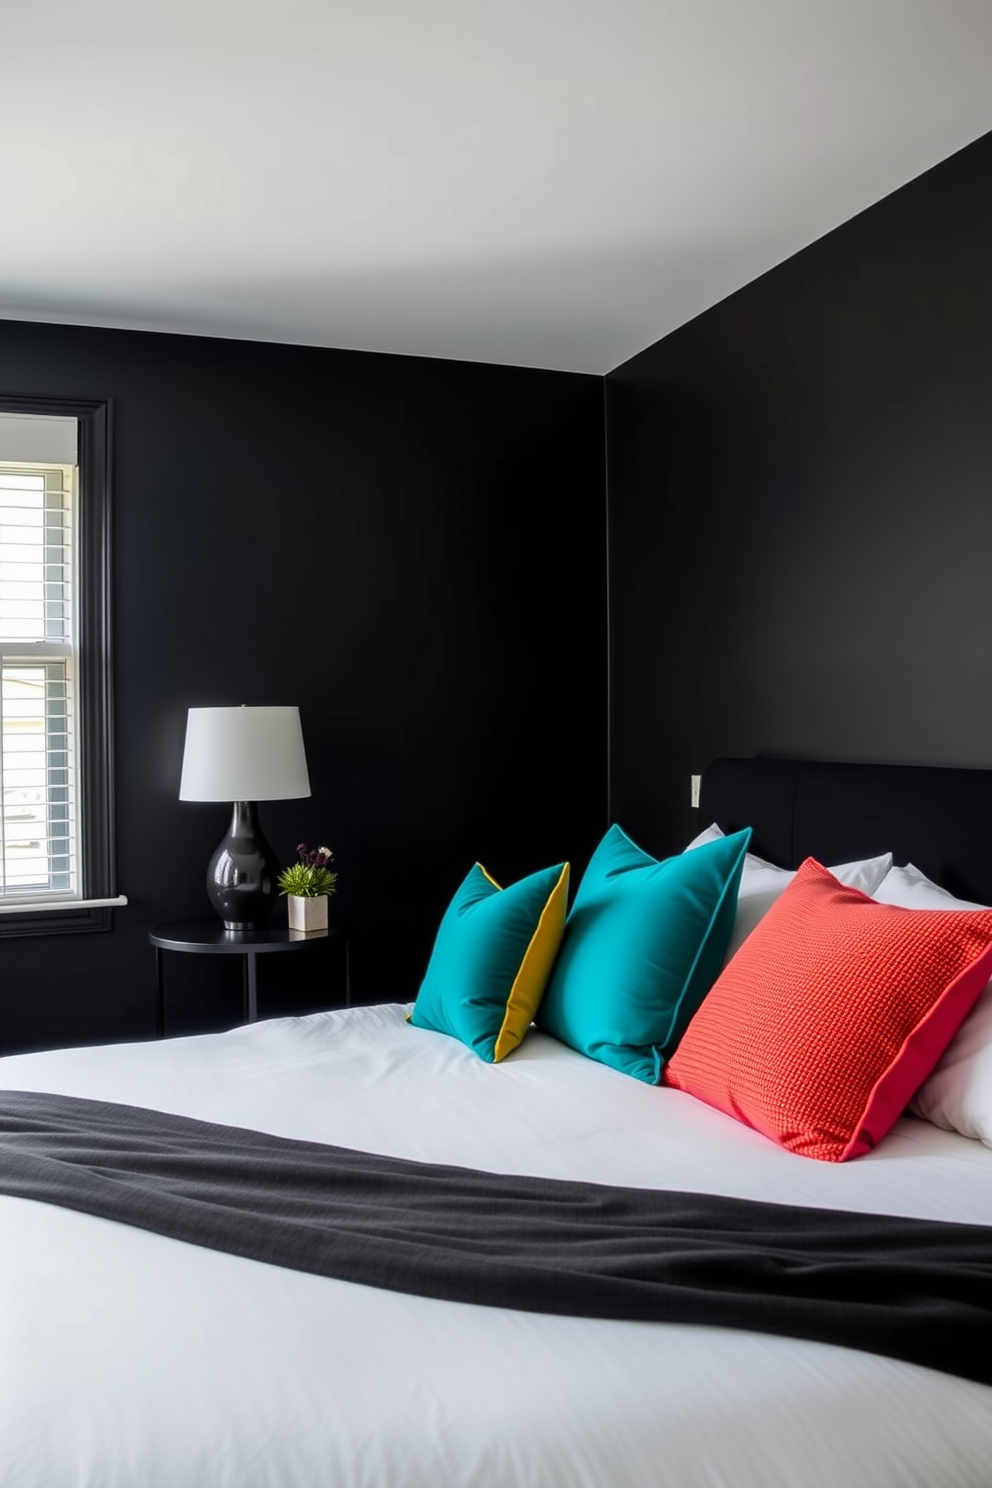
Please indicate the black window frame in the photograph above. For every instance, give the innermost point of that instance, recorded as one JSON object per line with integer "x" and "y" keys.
{"x": 94, "y": 660}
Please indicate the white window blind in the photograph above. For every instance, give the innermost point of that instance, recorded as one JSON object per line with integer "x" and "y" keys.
{"x": 38, "y": 749}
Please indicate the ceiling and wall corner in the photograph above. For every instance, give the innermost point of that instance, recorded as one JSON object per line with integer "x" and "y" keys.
{"x": 540, "y": 185}
{"x": 527, "y": 182}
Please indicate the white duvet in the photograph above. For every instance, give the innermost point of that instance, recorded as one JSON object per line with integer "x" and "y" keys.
{"x": 128, "y": 1360}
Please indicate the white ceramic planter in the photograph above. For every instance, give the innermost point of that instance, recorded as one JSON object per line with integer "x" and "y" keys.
{"x": 307, "y": 914}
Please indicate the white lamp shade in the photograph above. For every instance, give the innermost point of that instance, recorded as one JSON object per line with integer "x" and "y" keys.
{"x": 244, "y": 754}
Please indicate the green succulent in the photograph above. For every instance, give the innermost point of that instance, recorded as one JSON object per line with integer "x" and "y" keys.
{"x": 310, "y": 876}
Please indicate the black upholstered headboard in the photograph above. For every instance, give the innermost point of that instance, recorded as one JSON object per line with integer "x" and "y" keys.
{"x": 940, "y": 819}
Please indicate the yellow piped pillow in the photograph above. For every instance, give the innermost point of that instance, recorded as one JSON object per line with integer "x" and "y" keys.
{"x": 492, "y": 958}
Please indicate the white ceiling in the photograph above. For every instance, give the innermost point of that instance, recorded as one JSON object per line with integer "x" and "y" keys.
{"x": 552, "y": 183}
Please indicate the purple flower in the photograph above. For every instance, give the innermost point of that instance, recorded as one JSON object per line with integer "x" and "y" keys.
{"x": 313, "y": 858}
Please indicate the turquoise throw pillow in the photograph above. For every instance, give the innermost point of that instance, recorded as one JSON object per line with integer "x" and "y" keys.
{"x": 643, "y": 944}
{"x": 492, "y": 959}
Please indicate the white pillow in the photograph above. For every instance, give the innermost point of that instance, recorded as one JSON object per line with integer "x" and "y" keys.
{"x": 758, "y": 873}
{"x": 911, "y": 889}
{"x": 762, "y": 882}
{"x": 958, "y": 1094}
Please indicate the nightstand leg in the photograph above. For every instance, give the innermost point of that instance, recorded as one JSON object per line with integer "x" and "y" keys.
{"x": 251, "y": 988}
{"x": 159, "y": 995}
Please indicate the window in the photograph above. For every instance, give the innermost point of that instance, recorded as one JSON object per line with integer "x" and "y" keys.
{"x": 37, "y": 677}
{"x": 56, "y": 775}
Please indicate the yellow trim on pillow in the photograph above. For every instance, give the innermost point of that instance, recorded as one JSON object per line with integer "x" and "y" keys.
{"x": 535, "y": 968}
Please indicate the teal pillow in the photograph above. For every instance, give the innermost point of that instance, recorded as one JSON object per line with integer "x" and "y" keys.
{"x": 492, "y": 959}
{"x": 643, "y": 944}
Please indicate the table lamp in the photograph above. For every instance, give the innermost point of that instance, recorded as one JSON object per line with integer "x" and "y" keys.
{"x": 243, "y": 755}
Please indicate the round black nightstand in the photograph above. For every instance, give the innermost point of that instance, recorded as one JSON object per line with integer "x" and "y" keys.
{"x": 208, "y": 937}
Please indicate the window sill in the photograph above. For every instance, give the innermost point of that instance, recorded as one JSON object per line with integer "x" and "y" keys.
{"x": 73, "y": 917}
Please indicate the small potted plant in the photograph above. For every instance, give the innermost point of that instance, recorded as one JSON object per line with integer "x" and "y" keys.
{"x": 307, "y": 884}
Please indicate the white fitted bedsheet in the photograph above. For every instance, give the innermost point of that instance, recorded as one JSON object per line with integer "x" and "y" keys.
{"x": 129, "y": 1360}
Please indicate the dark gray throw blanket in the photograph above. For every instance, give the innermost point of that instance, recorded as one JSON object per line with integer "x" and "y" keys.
{"x": 919, "y": 1290}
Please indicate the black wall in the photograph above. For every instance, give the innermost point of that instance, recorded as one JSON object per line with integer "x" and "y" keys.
{"x": 800, "y": 492}
{"x": 382, "y": 541}
{"x": 801, "y": 510}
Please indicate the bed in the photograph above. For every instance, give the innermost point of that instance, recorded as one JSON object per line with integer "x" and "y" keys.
{"x": 130, "y": 1358}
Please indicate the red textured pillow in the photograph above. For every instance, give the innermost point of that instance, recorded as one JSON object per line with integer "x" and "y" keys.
{"x": 831, "y": 1015}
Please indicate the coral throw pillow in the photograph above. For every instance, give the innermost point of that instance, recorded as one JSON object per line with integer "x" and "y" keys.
{"x": 832, "y": 1014}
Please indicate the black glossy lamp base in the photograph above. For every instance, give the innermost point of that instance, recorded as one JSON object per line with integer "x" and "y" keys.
{"x": 241, "y": 875}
